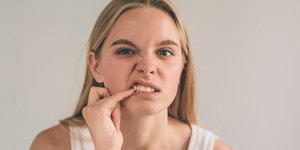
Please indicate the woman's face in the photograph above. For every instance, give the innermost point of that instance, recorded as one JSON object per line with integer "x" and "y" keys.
{"x": 143, "y": 49}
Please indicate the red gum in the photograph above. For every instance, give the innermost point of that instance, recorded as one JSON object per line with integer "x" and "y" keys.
{"x": 135, "y": 84}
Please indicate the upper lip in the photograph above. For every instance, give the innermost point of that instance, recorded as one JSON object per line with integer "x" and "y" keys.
{"x": 146, "y": 84}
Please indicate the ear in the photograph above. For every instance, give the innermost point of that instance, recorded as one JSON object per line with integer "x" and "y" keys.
{"x": 94, "y": 66}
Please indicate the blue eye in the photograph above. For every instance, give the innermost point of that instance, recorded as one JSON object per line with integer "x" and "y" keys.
{"x": 164, "y": 52}
{"x": 125, "y": 51}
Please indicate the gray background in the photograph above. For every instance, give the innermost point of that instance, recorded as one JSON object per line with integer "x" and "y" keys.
{"x": 246, "y": 60}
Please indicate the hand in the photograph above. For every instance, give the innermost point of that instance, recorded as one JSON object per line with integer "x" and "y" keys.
{"x": 103, "y": 117}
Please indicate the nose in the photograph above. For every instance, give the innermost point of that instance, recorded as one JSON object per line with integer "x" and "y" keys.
{"x": 146, "y": 67}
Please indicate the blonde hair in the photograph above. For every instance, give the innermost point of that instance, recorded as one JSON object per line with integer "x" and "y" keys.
{"x": 183, "y": 106}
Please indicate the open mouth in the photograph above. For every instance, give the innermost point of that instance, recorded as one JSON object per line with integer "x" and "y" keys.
{"x": 138, "y": 88}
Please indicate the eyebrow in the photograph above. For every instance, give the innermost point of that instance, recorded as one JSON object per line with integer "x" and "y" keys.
{"x": 127, "y": 42}
{"x": 168, "y": 42}
{"x": 123, "y": 41}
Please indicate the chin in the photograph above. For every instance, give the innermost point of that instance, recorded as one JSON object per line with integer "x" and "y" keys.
{"x": 142, "y": 108}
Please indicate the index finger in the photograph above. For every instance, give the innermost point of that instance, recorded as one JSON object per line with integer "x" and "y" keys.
{"x": 112, "y": 101}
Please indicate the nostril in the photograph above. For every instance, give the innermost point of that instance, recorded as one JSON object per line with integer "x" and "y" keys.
{"x": 141, "y": 71}
{"x": 146, "y": 66}
{"x": 149, "y": 70}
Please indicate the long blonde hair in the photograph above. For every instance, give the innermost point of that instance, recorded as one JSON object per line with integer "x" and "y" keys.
{"x": 183, "y": 106}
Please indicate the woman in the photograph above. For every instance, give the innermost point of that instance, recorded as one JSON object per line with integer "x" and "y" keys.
{"x": 139, "y": 87}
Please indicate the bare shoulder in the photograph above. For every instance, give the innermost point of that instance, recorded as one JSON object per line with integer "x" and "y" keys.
{"x": 54, "y": 138}
{"x": 179, "y": 133}
{"x": 220, "y": 146}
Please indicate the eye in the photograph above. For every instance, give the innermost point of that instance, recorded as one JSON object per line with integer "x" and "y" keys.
{"x": 125, "y": 51}
{"x": 164, "y": 52}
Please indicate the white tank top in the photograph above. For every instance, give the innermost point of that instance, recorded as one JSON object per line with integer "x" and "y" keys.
{"x": 201, "y": 139}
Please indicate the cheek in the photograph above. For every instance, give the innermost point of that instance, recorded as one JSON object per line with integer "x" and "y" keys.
{"x": 115, "y": 75}
{"x": 171, "y": 82}
{"x": 172, "y": 77}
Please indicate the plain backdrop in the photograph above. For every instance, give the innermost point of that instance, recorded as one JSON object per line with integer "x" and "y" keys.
{"x": 246, "y": 55}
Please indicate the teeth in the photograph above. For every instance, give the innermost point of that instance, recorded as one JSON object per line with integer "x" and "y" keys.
{"x": 142, "y": 89}
{"x": 148, "y": 89}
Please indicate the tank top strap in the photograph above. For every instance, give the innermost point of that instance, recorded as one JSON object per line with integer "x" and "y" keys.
{"x": 80, "y": 138}
{"x": 201, "y": 139}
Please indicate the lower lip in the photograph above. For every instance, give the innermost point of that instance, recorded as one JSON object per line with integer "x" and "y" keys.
{"x": 145, "y": 95}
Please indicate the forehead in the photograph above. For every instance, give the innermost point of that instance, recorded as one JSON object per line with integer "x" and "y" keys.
{"x": 145, "y": 25}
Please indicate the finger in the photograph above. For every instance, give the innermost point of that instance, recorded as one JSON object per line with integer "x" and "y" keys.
{"x": 97, "y": 93}
{"x": 116, "y": 116}
{"x": 113, "y": 100}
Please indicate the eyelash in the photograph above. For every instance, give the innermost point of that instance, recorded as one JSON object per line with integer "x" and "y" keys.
{"x": 127, "y": 51}
{"x": 165, "y": 50}
{"x": 122, "y": 51}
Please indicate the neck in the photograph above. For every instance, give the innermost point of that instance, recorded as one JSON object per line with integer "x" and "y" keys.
{"x": 145, "y": 132}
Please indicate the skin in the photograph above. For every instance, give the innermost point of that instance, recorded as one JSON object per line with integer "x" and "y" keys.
{"x": 147, "y": 59}
{"x": 123, "y": 119}
{"x": 145, "y": 64}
